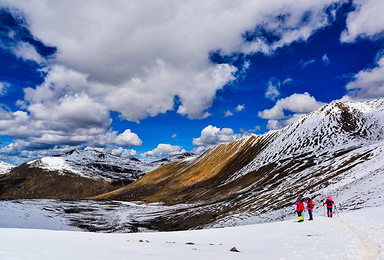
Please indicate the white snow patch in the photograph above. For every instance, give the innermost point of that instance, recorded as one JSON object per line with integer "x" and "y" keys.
{"x": 5, "y": 167}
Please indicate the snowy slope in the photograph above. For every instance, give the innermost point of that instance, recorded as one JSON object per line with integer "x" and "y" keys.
{"x": 94, "y": 164}
{"x": 353, "y": 235}
{"x": 5, "y": 167}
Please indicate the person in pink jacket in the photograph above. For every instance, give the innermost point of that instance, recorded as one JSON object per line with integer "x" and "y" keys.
{"x": 329, "y": 202}
{"x": 310, "y": 204}
{"x": 299, "y": 209}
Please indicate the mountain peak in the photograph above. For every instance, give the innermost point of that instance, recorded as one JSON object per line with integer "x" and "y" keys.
{"x": 5, "y": 167}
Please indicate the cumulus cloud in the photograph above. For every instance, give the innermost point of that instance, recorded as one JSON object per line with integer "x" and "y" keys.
{"x": 212, "y": 135}
{"x": 120, "y": 151}
{"x": 127, "y": 138}
{"x": 365, "y": 21}
{"x": 296, "y": 105}
{"x": 368, "y": 83}
{"x": 163, "y": 150}
{"x": 61, "y": 129}
{"x": 155, "y": 63}
{"x": 137, "y": 57}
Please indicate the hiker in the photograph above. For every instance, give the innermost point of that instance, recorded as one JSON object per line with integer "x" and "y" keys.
{"x": 329, "y": 202}
{"x": 310, "y": 205}
{"x": 299, "y": 209}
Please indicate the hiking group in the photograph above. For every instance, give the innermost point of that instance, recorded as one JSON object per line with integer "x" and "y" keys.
{"x": 310, "y": 206}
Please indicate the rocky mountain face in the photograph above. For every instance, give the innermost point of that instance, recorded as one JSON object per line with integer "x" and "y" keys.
{"x": 74, "y": 175}
{"x": 336, "y": 150}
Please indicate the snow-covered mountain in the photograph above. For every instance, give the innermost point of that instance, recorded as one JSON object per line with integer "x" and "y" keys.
{"x": 5, "y": 167}
{"x": 335, "y": 150}
{"x": 74, "y": 175}
{"x": 96, "y": 164}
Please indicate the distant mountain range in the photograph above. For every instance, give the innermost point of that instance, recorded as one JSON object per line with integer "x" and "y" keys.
{"x": 336, "y": 150}
{"x": 74, "y": 175}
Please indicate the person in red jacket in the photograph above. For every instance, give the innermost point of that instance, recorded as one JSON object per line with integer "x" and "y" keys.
{"x": 299, "y": 209}
{"x": 310, "y": 204}
{"x": 329, "y": 202}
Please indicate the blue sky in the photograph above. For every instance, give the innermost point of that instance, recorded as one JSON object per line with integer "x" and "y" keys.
{"x": 151, "y": 79}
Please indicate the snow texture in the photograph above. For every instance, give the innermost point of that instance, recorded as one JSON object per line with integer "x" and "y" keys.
{"x": 355, "y": 234}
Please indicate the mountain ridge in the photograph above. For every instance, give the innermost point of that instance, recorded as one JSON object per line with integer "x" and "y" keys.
{"x": 340, "y": 143}
{"x": 76, "y": 174}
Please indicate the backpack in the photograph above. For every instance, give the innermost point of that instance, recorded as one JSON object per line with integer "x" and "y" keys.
{"x": 313, "y": 204}
{"x": 329, "y": 203}
{"x": 300, "y": 207}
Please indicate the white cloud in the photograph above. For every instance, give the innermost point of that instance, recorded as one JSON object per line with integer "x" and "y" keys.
{"x": 71, "y": 112}
{"x": 163, "y": 150}
{"x": 325, "y": 59}
{"x": 198, "y": 150}
{"x": 228, "y": 113}
{"x": 43, "y": 132}
{"x": 274, "y": 124}
{"x": 137, "y": 57}
{"x": 305, "y": 64}
{"x": 240, "y": 108}
{"x": 3, "y": 88}
{"x": 127, "y": 138}
{"x": 368, "y": 83}
{"x": 174, "y": 136}
{"x": 365, "y": 21}
{"x": 212, "y": 135}
{"x": 26, "y": 51}
{"x": 287, "y": 81}
{"x": 298, "y": 104}
{"x": 273, "y": 89}
{"x": 140, "y": 51}
{"x": 120, "y": 151}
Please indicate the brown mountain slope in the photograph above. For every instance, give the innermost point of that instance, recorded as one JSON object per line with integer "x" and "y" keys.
{"x": 34, "y": 183}
{"x": 199, "y": 179}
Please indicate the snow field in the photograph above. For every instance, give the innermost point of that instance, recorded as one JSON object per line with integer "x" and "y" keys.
{"x": 353, "y": 235}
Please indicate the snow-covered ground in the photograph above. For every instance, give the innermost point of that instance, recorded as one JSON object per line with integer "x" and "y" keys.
{"x": 355, "y": 234}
